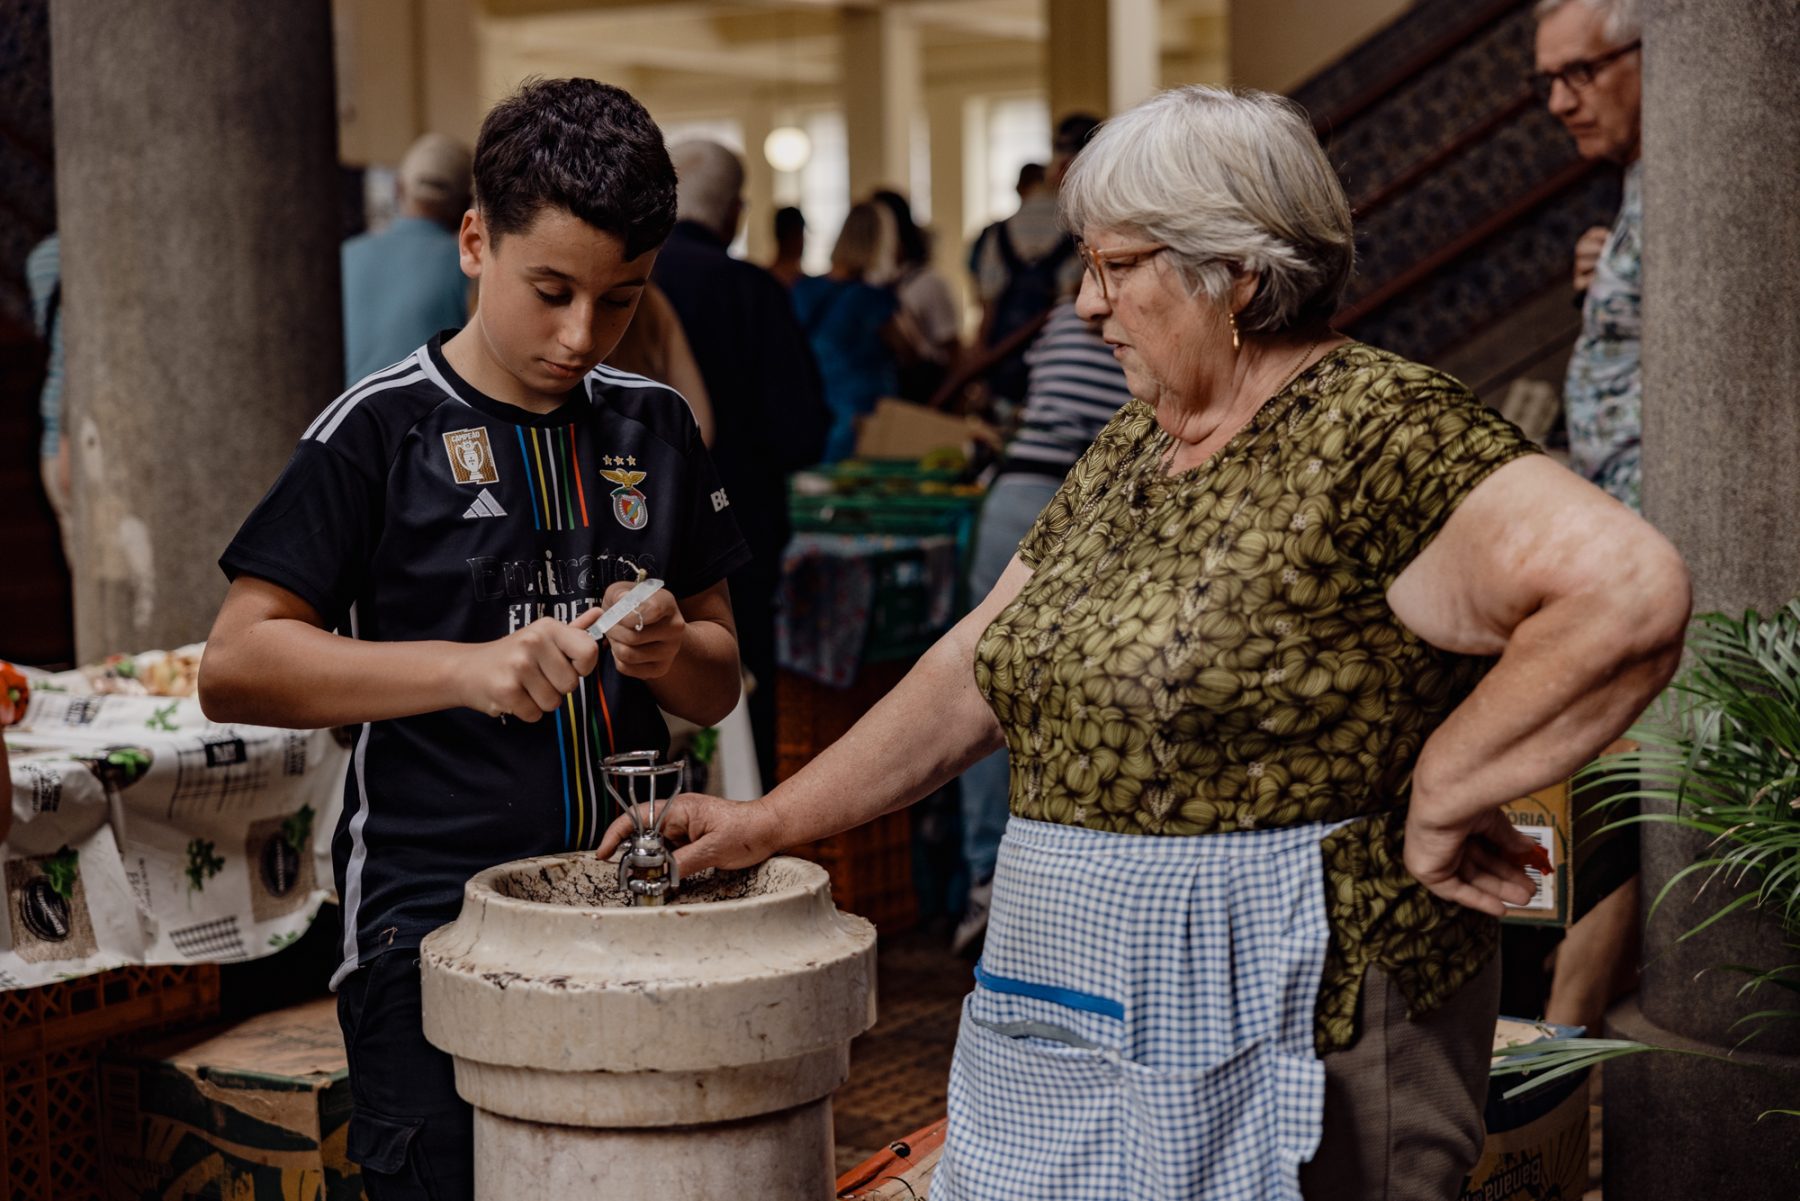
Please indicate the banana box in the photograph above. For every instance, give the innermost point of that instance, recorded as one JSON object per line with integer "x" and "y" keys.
{"x": 256, "y": 1112}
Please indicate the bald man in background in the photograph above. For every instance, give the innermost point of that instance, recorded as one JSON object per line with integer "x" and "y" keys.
{"x": 405, "y": 284}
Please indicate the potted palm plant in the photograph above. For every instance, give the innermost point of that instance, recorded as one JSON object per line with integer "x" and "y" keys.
{"x": 1718, "y": 756}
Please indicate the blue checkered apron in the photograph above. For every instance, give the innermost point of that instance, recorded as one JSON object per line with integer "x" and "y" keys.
{"x": 1142, "y": 1022}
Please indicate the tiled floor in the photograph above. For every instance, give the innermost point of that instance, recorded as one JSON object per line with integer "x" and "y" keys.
{"x": 898, "y": 1069}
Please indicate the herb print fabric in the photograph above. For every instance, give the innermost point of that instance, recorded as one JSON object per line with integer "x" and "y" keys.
{"x": 1213, "y": 651}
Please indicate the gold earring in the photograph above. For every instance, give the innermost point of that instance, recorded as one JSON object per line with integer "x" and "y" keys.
{"x": 1236, "y": 342}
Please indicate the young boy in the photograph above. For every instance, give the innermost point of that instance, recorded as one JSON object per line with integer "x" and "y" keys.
{"x": 459, "y": 516}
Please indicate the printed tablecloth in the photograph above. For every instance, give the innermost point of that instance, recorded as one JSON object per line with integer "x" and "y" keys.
{"x": 144, "y": 833}
{"x": 847, "y": 599}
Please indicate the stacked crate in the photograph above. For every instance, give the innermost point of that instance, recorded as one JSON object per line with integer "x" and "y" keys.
{"x": 50, "y": 1037}
{"x": 870, "y": 866}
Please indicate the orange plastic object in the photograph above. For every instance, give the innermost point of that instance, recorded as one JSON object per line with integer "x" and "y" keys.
{"x": 15, "y": 690}
{"x": 895, "y": 1160}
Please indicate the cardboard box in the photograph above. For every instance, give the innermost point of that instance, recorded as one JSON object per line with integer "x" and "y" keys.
{"x": 1588, "y": 865}
{"x": 899, "y": 430}
{"x": 257, "y": 1112}
{"x": 1537, "y": 1144}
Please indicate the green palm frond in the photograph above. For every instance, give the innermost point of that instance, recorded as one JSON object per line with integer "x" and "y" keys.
{"x": 1721, "y": 751}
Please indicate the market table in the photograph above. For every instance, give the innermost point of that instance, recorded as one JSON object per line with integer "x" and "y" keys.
{"x": 143, "y": 833}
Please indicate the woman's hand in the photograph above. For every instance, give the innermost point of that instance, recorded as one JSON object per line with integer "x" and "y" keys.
{"x": 712, "y": 831}
{"x": 645, "y": 650}
{"x": 1478, "y": 862}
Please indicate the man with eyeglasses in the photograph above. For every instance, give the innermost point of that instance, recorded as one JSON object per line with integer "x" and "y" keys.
{"x": 1588, "y": 72}
{"x": 1589, "y": 65}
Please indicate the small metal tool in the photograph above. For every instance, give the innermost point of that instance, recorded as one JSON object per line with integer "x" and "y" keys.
{"x": 647, "y": 870}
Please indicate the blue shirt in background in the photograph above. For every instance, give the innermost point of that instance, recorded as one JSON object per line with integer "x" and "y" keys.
{"x": 1603, "y": 394}
{"x": 401, "y": 286}
{"x": 43, "y": 273}
{"x": 843, "y": 320}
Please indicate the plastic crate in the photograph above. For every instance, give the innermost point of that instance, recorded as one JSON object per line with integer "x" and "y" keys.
{"x": 871, "y": 870}
{"x": 870, "y": 866}
{"x": 51, "y": 1126}
{"x": 104, "y": 1005}
{"x": 50, "y": 1038}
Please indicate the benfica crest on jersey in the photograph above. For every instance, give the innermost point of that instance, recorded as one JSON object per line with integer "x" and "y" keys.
{"x": 629, "y": 506}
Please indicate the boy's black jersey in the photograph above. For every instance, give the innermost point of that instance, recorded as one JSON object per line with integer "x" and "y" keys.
{"x": 416, "y": 508}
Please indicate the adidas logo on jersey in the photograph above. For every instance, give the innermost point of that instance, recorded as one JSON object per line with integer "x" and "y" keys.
{"x": 485, "y": 506}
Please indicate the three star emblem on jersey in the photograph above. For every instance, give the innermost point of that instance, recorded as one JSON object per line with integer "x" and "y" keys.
{"x": 629, "y": 506}
{"x": 471, "y": 458}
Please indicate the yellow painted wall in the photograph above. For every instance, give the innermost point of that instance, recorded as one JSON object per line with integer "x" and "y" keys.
{"x": 1276, "y": 44}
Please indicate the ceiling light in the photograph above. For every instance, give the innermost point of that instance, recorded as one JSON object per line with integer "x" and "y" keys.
{"x": 787, "y": 148}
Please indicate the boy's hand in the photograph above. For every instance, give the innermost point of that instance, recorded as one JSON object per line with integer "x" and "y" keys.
{"x": 645, "y": 652}
{"x": 527, "y": 673}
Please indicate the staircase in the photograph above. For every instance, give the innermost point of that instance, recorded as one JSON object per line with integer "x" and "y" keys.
{"x": 1468, "y": 194}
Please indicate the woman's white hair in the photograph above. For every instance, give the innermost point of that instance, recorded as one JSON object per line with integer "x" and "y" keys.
{"x": 1230, "y": 181}
{"x": 1622, "y": 20}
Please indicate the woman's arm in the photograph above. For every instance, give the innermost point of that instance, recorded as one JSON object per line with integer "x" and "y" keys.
{"x": 927, "y": 730}
{"x": 1586, "y": 606}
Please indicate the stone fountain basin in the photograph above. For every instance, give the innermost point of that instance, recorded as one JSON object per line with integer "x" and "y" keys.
{"x": 563, "y": 1003}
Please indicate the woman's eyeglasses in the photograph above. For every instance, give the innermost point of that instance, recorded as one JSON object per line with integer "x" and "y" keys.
{"x": 1107, "y": 267}
{"x": 1581, "y": 73}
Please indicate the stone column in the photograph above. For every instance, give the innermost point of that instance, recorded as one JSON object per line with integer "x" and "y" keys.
{"x": 1103, "y": 56}
{"x": 1721, "y": 440}
{"x": 758, "y": 117}
{"x": 945, "y": 113}
{"x": 881, "y": 85}
{"x": 197, "y": 198}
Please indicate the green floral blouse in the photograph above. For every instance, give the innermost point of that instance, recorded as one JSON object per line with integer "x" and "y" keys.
{"x": 1213, "y": 651}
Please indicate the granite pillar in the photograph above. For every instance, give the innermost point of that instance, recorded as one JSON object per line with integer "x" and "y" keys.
{"x": 197, "y": 199}
{"x": 1721, "y": 444}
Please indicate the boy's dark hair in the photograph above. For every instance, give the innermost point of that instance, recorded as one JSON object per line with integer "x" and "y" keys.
{"x": 580, "y": 145}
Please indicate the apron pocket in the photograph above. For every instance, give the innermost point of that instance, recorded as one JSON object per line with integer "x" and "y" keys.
{"x": 1029, "y": 1117}
{"x": 1204, "y": 1133}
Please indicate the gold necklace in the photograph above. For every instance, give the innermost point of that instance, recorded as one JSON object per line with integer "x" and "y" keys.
{"x": 1298, "y": 367}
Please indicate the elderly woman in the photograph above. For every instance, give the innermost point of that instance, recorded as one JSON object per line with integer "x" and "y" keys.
{"x": 1299, "y": 623}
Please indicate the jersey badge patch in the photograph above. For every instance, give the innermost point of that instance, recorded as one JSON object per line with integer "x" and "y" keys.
{"x": 471, "y": 458}
{"x": 629, "y": 506}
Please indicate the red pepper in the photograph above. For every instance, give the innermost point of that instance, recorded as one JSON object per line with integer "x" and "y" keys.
{"x": 1536, "y": 857}
{"x": 15, "y": 690}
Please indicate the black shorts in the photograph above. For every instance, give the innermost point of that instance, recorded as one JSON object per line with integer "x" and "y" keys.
{"x": 410, "y": 1132}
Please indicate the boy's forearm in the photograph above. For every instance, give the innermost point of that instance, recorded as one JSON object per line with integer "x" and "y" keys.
{"x": 703, "y": 683}
{"x": 288, "y": 673}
